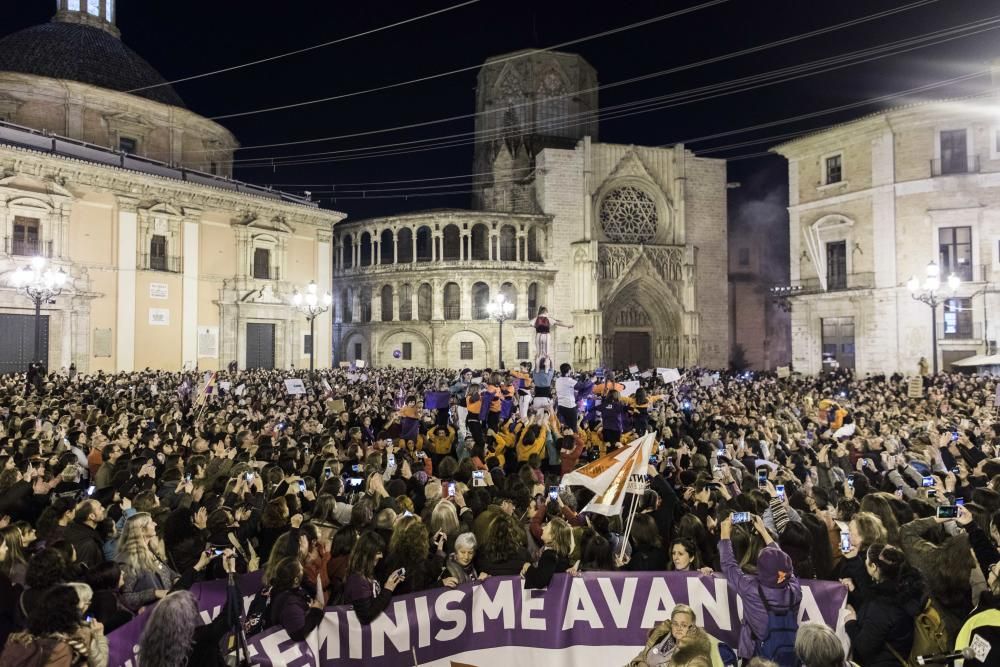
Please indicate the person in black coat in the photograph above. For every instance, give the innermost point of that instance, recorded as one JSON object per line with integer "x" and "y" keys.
{"x": 291, "y": 607}
{"x": 175, "y": 635}
{"x": 557, "y": 536}
{"x": 82, "y": 534}
{"x": 881, "y": 631}
{"x": 648, "y": 554}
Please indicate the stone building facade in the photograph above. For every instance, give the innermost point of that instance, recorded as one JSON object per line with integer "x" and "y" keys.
{"x": 872, "y": 202}
{"x": 625, "y": 244}
{"x": 169, "y": 264}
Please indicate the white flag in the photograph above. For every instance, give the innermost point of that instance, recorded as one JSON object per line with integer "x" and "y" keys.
{"x": 609, "y": 477}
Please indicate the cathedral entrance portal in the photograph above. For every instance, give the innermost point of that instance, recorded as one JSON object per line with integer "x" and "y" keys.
{"x": 632, "y": 348}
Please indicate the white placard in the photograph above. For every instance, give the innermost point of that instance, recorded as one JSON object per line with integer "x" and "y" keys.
{"x": 631, "y": 386}
{"x": 915, "y": 387}
{"x": 208, "y": 341}
{"x": 159, "y": 291}
{"x": 708, "y": 380}
{"x": 646, "y": 374}
{"x": 669, "y": 374}
{"x": 224, "y": 385}
{"x": 633, "y": 369}
{"x": 783, "y": 372}
{"x": 240, "y": 390}
{"x": 294, "y": 386}
{"x": 159, "y": 317}
{"x": 359, "y": 363}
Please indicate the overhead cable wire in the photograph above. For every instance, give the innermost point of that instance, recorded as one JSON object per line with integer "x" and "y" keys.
{"x": 656, "y": 103}
{"x": 515, "y": 56}
{"x": 339, "y": 40}
{"x": 636, "y": 79}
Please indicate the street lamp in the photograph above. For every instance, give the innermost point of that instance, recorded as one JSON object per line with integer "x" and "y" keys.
{"x": 501, "y": 310}
{"x": 310, "y": 305}
{"x": 41, "y": 285}
{"x": 927, "y": 292}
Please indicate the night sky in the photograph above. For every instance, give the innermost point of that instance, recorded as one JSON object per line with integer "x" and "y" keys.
{"x": 185, "y": 37}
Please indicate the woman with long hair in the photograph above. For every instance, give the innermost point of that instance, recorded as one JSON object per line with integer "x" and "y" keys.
{"x": 881, "y": 631}
{"x": 147, "y": 577}
{"x": 57, "y": 624}
{"x": 557, "y": 541}
{"x": 174, "y": 634}
{"x": 684, "y": 557}
{"x": 503, "y": 549}
{"x": 410, "y": 549}
{"x": 362, "y": 589}
{"x": 291, "y": 607}
{"x": 15, "y": 564}
{"x": 647, "y": 549}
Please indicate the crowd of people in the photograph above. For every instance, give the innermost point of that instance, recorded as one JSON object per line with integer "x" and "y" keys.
{"x": 119, "y": 491}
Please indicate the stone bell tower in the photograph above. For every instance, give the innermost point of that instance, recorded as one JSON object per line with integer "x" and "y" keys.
{"x": 527, "y": 101}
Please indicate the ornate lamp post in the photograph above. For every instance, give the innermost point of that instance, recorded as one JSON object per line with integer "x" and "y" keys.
{"x": 501, "y": 310}
{"x": 929, "y": 292}
{"x": 41, "y": 285}
{"x": 312, "y": 306}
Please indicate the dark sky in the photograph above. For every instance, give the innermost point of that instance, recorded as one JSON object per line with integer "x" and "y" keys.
{"x": 184, "y": 37}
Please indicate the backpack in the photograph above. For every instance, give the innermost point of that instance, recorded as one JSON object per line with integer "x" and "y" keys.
{"x": 930, "y": 636}
{"x": 778, "y": 644}
{"x": 258, "y": 615}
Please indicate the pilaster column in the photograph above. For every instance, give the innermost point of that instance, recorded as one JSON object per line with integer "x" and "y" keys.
{"x": 395, "y": 247}
{"x": 376, "y": 251}
{"x": 414, "y": 313}
{"x": 437, "y": 300}
{"x": 521, "y": 243}
{"x": 413, "y": 239}
{"x": 466, "y": 299}
{"x": 377, "y": 305}
{"x": 463, "y": 255}
{"x": 397, "y": 294}
{"x": 128, "y": 229}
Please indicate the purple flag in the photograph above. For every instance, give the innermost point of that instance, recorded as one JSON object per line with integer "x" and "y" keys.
{"x": 487, "y": 398}
{"x": 437, "y": 400}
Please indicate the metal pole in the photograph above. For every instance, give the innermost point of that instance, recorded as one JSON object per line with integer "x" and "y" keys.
{"x": 312, "y": 342}
{"x": 501, "y": 342}
{"x": 38, "y": 328}
{"x": 934, "y": 345}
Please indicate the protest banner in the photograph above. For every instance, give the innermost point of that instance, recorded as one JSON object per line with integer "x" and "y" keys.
{"x": 599, "y": 618}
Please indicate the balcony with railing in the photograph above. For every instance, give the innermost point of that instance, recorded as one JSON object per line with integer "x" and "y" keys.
{"x": 960, "y": 329}
{"x": 27, "y": 247}
{"x": 852, "y": 281}
{"x": 968, "y": 164}
{"x": 147, "y": 262}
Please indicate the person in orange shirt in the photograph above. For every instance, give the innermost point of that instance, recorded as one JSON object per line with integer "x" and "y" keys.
{"x": 533, "y": 437}
{"x": 474, "y": 404}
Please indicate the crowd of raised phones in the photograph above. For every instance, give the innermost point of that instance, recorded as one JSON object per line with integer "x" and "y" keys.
{"x": 120, "y": 491}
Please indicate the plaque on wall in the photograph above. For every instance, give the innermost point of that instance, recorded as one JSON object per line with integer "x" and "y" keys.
{"x": 159, "y": 317}
{"x": 208, "y": 341}
{"x": 102, "y": 342}
{"x": 159, "y": 291}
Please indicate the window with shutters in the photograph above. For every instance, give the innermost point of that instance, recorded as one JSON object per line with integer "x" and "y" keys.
{"x": 522, "y": 350}
{"x": 262, "y": 263}
{"x": 27, "y": 232}
{"x": 407, "y": 351}
{"x": 158, "y": 252}
{"x": 465, "y": 351}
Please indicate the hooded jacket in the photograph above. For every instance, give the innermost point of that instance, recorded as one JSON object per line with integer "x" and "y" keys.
{"x": 754, "y": 613}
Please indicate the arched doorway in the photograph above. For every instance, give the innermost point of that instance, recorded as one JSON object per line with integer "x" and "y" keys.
{"x": 642, "y": 327}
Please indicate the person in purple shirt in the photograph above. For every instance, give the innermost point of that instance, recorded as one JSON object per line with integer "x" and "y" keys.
{"x": 362, "y": 589}
{"x": 775, "y": 580}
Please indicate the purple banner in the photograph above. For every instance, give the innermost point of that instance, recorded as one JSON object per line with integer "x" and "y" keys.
{"x": 436, "y": 400}
{"x": 600, "y": 616}
{"x": 487, "y": 398}
{"x": 123, "y": 643}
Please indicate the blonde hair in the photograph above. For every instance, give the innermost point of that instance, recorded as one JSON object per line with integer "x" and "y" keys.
{"x": 870, "y": 528}
{"x": 562, "y": 537}
{"x": 444, "y": 517}
{"x": 83, "y": 592}
{"x": 132, "y": 550}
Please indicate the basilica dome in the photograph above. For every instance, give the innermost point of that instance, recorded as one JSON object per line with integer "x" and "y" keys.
{"x": 78, "y": 52}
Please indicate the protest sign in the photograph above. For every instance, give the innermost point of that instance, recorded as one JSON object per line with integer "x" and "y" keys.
{"x": 784, "y": 372}
{"x": 597, "y": 618}
{"x": 436, "y": 400}
{"x": 631, "y": 386}
{"x": 294, "y": 386}
{"x": 668, "y": 374}
{"x": 915, "y": 387}
{"x": 633, "y": 369}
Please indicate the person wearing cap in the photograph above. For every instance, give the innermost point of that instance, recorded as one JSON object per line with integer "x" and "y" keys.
{"x": 775, "y": 581}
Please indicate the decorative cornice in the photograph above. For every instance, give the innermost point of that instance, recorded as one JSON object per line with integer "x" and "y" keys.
{"x": 140, "y": 186}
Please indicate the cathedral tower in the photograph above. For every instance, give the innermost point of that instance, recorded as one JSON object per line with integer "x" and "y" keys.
{"x": 525, "y": 102}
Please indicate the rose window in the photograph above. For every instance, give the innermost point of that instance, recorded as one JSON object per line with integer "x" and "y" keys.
{"x": 628, "y": 215}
